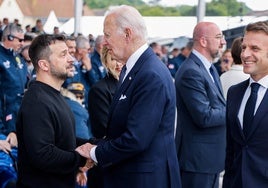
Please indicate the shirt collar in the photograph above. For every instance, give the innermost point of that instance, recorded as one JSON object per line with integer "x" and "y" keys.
{"x": 134, "y": 57}
{"x": 263, "y": 82}
{"x": 204, "y": 60}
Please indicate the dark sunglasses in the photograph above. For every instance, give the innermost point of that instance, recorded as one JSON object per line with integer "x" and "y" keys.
{"x": 19, "y": 39}
{"x": 28, "y": 60}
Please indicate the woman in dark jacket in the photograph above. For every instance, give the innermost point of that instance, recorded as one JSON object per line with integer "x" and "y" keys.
{"x": 100, "y": 98}
{"x": 101, "y": 94}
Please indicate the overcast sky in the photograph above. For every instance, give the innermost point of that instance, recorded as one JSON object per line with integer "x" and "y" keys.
{"x": 253, "y": 4}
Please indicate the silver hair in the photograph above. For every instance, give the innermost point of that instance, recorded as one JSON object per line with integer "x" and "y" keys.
{"x": 99, "y": 39}
{"x": 81, "y": 42}
{"x": 129, "y": 17}
{"x": 11, "y": 29}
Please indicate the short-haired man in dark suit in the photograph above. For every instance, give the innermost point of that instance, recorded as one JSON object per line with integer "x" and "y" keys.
{"x": 139, "y": 148}
{"x": 200, "y": 135}
{"x": 247, "y": 108}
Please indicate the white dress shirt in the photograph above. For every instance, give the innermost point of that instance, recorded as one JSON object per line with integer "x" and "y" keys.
{"x": 261, "y": 92}
{"x": 205, "y": 62}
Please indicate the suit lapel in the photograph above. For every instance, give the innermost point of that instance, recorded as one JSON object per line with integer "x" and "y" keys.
{"x": 218, "y": 82}
{"x": 207, "y": 75}
{"x": 234, "y": 108}
{"x": 129, "y": 78}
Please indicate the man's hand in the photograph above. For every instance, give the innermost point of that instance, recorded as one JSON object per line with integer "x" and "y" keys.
{"x": 84, "y": 150}
{"x": 12, "y": 139}
{"x": 86, "y": 62}
{"x": 81, "y": 178}
{"x": 5, "y": 146}
{"x": 89, "y": 164}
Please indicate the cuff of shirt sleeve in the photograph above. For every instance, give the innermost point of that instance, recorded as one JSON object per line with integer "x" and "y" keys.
{"x": 93, "y": 155}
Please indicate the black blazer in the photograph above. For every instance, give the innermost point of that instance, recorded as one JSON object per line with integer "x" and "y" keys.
{"x": 99, "y": 100}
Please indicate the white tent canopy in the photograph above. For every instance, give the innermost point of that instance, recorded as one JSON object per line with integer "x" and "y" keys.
{"x": 163, "y": 27}
{"x": 89, "y": 25}
{"x": 51, "y": 22}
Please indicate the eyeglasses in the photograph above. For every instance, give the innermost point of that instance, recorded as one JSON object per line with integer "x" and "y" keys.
{"x": 19, "y": 39}
{"x": 219, "y": 37}
{"x": 28, "y": 60}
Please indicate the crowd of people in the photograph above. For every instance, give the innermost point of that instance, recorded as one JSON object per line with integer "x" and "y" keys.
{"x": 113, "y": 111}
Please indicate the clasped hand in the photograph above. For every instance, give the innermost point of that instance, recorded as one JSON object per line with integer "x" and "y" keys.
{"x": 84, "y": 150}
{"x": 11, "y": 141}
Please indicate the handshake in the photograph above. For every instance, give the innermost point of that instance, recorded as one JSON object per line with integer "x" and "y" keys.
{"x": 84, "y": 150}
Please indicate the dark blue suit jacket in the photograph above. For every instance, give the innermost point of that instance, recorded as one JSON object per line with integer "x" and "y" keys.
{"x": 140, "y": 146}
{"x": 246, "y": 157}
{"x": 201, "y": 130}
{"x": 100, "y": 71}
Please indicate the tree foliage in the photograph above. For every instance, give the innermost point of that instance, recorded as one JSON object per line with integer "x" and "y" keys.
{"x": 158, "y": 11}
{"x": 213, "y": 8}
{"x": 100, "y": 4}
{"x": 226, "y": 8}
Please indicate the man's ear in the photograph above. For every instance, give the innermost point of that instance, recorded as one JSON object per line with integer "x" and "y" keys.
{"x": 127, "y": 33}
{"x": 44, "y": 65}
{"x": 203, "y": 41}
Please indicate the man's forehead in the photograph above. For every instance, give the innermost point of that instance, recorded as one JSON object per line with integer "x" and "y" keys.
{"x": 59, "y": 44}
{"x": 21, "y": 35}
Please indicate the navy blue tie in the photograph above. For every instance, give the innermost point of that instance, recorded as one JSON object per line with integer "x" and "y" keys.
{"x": 215, "y": 77}
{"x": 250, "y": 107}
{"x": 122, "y": 74}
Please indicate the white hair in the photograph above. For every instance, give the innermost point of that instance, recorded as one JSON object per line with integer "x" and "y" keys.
{"x": 129, "y": 17}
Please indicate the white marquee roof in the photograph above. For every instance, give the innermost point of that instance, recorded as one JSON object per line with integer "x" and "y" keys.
{"x": 164, "y": 27}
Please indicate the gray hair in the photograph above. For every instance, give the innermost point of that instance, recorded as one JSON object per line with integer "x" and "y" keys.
{"x": 129, "y": 17}
{"x": 99, "y": 39}
{"x": 11, "y": 29}
{"x": 81, "y": 42}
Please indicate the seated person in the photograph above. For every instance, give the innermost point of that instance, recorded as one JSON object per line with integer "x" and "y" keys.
{"x": 8, "y": 163}
{"x": 74, "y": 95}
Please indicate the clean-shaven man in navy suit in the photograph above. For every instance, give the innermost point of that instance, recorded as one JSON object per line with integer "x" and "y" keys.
{"x": 247, "y": 141}
{"x": 201, "y": 129}
{"x": 139, "y": 149}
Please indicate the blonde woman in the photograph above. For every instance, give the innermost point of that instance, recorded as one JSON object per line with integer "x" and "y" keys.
{"x": 101, "y": 94}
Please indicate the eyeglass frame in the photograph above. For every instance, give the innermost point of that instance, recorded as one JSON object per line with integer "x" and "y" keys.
{"x": 28, "y": 60}
{"x": 15, "y": 37}
{"x": 219, "y": 37}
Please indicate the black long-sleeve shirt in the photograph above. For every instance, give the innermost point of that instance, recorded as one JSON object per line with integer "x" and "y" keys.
{"x": 46, "y": 140}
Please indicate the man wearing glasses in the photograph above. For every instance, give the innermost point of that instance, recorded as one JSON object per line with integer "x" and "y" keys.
{"x": 200, "y": 133}
{"x": 13, "y": 78}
